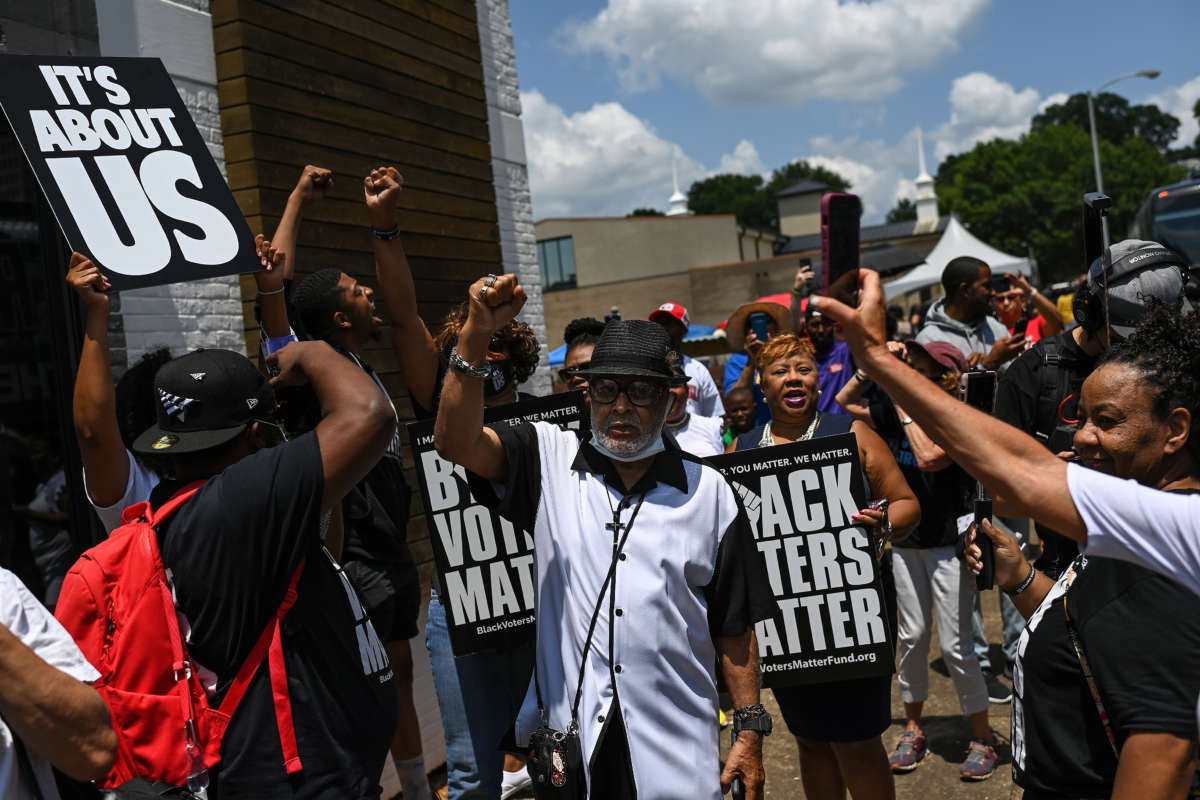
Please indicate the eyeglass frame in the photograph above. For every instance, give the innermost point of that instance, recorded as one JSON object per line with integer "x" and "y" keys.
{"x": 623, "y": 388}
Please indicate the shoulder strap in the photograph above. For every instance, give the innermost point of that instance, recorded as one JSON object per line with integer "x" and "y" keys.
{"x": 587, "y": 643}
{"x": 179, "y": 498}
{"x": 1093, "y": 689}
{"x": 270, "y": 646}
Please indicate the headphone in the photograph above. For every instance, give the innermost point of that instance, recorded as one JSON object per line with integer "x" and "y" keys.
{"x": 1092, "y": 305}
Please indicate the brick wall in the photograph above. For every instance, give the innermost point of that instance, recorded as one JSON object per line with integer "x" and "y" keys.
{"x": 514, "y": 208}
{"x": 182, "y": 316}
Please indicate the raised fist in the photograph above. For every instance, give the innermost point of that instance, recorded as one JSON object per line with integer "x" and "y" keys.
{"x": 382, "y": 192}
{"x": 494, "y": 301}
{"x": 313, "y": 184}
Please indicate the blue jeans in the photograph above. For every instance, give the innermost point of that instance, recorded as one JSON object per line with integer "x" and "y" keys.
{"x": 480, "y": 696}
{"x": 1014, "y": 623}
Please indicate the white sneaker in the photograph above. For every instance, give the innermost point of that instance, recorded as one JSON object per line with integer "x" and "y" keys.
{"x": 514, "y": 782}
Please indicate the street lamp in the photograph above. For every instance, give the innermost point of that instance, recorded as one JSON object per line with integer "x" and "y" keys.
{"x": 1146, "y": 73}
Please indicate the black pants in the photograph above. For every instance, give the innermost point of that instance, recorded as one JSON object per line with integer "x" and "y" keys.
{"x": 612, "y": 769}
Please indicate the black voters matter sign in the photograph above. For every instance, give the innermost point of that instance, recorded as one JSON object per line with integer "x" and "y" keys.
{"x": 484, "y": 563}
{"x": 800, "y": 497}
{"x": 128, "y": 176}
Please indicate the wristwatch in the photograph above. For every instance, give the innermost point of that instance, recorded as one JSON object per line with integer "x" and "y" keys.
{"x": 460, "y": 364}
{"x": 752, "y": 718}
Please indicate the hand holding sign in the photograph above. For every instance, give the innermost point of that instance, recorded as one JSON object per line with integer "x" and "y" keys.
{"x": 495, "y": 301}
{"x": 271, "y": 278}
{"x": 382, "y": 191}
{"x": 87, "y": 281}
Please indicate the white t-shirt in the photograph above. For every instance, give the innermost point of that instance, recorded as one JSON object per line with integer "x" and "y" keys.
{"x": 137, "y": 488}
{"x": 703, "y": 397}
{"x": 1125, "y": 520}
{"x": 30, "y": 622}
{"x": 701, "y": 436}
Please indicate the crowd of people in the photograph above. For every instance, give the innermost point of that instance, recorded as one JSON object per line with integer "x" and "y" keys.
{"x": 269, "y": 510}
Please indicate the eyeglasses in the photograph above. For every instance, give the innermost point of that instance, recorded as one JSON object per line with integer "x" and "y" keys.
{"x": 566, "y": 374}
{"x": 640, "y": 393}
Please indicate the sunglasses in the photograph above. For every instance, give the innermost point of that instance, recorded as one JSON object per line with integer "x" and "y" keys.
{"x": 565, "y": 374}
{"x": 640, "y": 393}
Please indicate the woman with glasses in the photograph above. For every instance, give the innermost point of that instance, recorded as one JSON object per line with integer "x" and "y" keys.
{"x": 580, "y": 337}
{"x": 838, "y": 724}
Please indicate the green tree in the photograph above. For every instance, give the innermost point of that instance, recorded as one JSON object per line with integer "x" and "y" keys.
{"x": 801, "y": 170}
{"x": 645, "y": 212}
{"x": 741, "y": 195}
{"x": 905, "y": 210}
{"x": 752, "y": 200}
{"x": 1116, "y": 120}
{"x": 1025, "y": 195}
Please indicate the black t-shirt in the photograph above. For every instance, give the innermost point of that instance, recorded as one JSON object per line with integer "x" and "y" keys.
{"x": 231, "y": 551}
{"x": 1140, "y": 633}
{"x": 944, "y": 495}
{"x": 1028, "y": 397}
{"x": 738, "y": 594}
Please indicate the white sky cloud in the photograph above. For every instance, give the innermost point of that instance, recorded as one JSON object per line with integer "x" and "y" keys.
{"x": 1179, "y": 100}
{"x": 606, "y": 162}
{"x": 768, "y": 52}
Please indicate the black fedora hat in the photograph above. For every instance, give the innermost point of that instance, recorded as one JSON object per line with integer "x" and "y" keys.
{"x": 633, "y": 347}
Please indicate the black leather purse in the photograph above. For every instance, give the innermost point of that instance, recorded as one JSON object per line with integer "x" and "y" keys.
{"x": 555, "y": 759}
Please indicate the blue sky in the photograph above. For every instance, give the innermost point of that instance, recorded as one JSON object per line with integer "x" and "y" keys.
{"x": 612, "y": 90}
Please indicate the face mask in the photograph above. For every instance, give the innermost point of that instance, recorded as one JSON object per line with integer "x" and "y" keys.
{"x": 654, "y": 448}
{"x": 500, "y": 375}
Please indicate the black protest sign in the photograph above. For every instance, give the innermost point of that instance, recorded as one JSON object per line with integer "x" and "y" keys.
{"x": 127, "y": 174}
{"x": 484, "y": 563}
{"x": 832, "y": 622}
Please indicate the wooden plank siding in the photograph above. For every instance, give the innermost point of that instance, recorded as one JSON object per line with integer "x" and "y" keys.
{"x": 350, "y": 85}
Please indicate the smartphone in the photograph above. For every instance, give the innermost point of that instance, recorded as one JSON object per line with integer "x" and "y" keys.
{"x": 1020, "y": 326}
{"x": 840, "y": 216}
{"x": 977, "y": 388}
{"x": 758, "y": 324}
{"x": 1095, "y": 209}
{"x": 986, "y": 578}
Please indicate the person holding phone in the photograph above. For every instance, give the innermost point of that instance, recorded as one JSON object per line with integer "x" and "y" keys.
{"x": 746, "y": 341}
{"x": 837, "y": 724}
{"x": 1014, "y": 294}
{"x": 835, "y": 365}
{"x": 1129, "y": 731}
{"x": 931, "y": 584}
{"x": 962, "y": 317}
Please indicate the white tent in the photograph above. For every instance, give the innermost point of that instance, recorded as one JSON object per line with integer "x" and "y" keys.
{"x": 956, "y": 241}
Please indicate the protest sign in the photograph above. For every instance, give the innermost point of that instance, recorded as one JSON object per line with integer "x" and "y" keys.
{"x": 124, "y": 169}
{"x": 832, "y": 621}
{"x": 484, "y": 563}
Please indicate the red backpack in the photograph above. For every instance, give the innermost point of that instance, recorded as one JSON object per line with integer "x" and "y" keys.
{"x": 116, "y": 603}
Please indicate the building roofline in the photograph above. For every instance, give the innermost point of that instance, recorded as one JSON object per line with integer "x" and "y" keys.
{"x": 613, "y": 219}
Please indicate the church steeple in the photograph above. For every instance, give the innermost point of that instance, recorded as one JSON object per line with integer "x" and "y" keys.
{"x": 677, "y": 206}
{"x": 927, "y": 208}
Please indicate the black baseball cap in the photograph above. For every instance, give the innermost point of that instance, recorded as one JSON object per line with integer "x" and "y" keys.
{"x": 205, "y": 399}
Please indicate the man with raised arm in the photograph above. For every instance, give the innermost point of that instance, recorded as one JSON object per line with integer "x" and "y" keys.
{"x": 647, "y": 572}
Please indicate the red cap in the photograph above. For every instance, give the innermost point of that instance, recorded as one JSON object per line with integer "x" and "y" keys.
{"x": 673, "y": 310}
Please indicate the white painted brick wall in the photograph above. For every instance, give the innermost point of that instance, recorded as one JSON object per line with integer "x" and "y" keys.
{"x": 518, "y": 247}
{"x": 183, "y": 316}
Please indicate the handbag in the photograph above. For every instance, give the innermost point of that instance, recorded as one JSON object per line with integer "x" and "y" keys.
{"x": 555, "y": 759}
